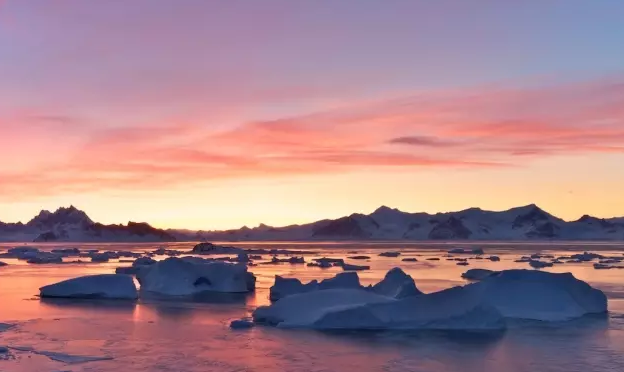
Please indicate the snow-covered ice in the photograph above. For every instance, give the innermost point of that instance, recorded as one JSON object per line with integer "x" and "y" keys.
{"x": 110, "y": 286}
{"x": 284, "y": 287}
{"x": 189, "y": 275}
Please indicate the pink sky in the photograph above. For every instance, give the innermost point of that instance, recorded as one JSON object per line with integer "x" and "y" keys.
{"x": 207, "y": 115}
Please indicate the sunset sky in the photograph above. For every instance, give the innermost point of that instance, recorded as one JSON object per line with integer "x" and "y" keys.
{"x": 217, "y": 114}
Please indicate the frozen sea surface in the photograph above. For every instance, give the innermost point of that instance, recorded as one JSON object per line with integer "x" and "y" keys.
{"x": 159, "y": 334}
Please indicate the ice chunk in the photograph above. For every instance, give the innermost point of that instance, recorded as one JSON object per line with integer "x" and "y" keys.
{"x": 113, "y": 286}
{"x": 143, "y": 261}
{"x": 410, "y": 259}
{"x": 45, "y": 258}
{"x": 396, "y": 284}
{"x": 466, "y": 251}
{"x": 494, "y": 258}
{"x": 22, "y": 253}
{"x": 3, "y": 264}
{"x": 241, "y": 324}
{"x": 539, "y": 264}
{"x": 289, "y": 286}
{"x": 186, "y": 276}
{"x": 390, "y": 254}
{"x": 537, "y": 295}
{"x": 586, "y": 256}
{"x": 209, "y": 248}
{"x": 359, "y": 258}
{"x": 350, "y": 267}
{"x": 477, "y": 274}
{"x": 462, "y": 263}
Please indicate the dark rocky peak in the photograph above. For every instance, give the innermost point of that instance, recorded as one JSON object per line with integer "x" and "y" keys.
{"x": 62, "y": 216}
{"x": 452, "y": 228}
{"x": 590, "y": 220}
{"x": 530, "y": 215}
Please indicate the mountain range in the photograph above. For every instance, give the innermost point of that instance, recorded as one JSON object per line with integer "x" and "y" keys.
{"x": 522, "y": 223}
{"x": 73, "y": 225}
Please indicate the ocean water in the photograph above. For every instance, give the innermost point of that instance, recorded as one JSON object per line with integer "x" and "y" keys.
{"x": 173, "y": 335}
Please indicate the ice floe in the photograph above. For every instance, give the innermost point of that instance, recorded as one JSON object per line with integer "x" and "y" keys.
{"x": 109, "y": 286}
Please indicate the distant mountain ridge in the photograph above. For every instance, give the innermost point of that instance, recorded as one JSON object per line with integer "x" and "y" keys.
{"x": 521, "y": 223}
{"x": 73, "y": 225}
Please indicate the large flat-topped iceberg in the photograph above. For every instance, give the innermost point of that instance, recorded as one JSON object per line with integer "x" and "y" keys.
{"x": 537, "y": 295}
{"x": 186, "y": 276}
{"x": 109, "y": 286}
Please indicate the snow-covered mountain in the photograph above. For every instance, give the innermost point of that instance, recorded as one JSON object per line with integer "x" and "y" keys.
{"x": 73, "y": 225}
{"x": 521, "y": 223}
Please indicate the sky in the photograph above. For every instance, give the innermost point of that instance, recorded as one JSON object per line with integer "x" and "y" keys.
{"x": 217, "y": 114}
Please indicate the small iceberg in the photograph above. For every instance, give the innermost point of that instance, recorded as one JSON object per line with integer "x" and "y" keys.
{"x": 103, "y": 286}
{"x": 241, "y": 324}
{"x": 477, "y": 274}
{"x": 389, "y": 254}
{"x": 350, "y": 267}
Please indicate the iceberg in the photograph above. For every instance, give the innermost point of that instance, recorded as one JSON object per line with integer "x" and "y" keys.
{"x": 209, "y": 248}
{"x": 466, "y": 251}
{"x": 284, "y": 287}
{"x": 241, "y": 324}
{"x": 350, "y": 267}
{"x": 538, "y": 295}
{"x": 45, "y": 258}
{"x": 304, "y": 309}
{"x": 477, "y": 274}
{"x": 110, "y": 286}
{"x": 358, "y": 309}
{"x": 3, "y": 264}
{"x": 486, "y": 305}
{"x": 396, "y": 284}
{"x": 389, "y": 254}
{"x": 190, "y": 275}
{"x": 143, "y": 261}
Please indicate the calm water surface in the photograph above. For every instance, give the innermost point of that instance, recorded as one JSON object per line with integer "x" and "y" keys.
{"x": 157, "y": 335}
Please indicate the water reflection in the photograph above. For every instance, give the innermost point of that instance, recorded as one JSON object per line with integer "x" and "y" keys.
{"x": 109, "y": 306}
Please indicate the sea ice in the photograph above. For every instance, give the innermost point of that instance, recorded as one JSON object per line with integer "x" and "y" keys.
{"x": 110, "y": 286}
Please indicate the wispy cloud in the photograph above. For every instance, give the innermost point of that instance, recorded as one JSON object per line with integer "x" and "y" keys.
{"x": 467, "y": 129}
